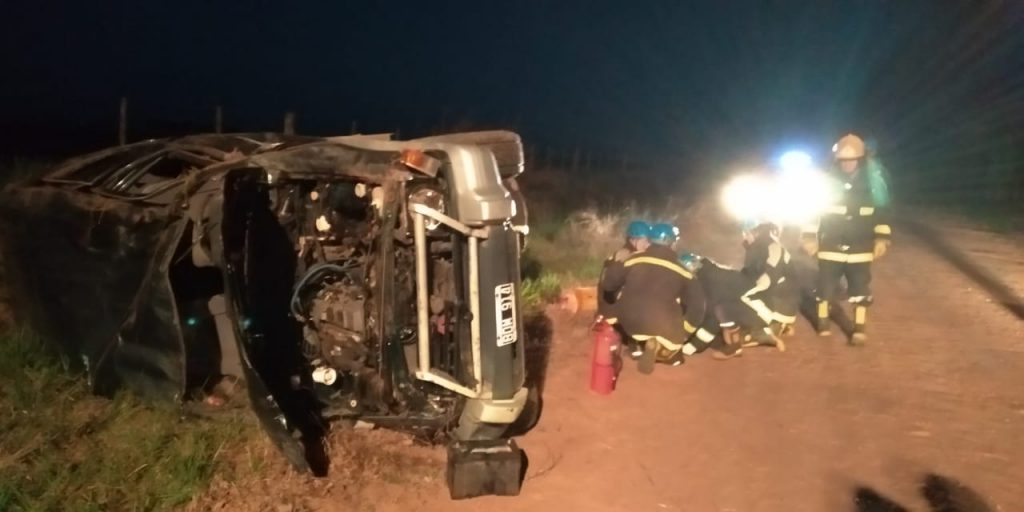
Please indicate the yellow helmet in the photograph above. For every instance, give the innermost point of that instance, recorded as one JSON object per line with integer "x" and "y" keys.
{"x": 850, "y": 147}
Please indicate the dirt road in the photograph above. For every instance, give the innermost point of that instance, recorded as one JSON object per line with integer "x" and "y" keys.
{"x": 930, "y": 412}
{"x": 821, "y": 427}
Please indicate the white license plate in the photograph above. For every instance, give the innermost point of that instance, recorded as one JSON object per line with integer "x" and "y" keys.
{"x": 505, "y": 313}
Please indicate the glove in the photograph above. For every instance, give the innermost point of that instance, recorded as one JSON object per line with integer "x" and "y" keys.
{"x": 881, "y": 247}
{"x": 731, "y": 336}
{"x": 810, "y": 246}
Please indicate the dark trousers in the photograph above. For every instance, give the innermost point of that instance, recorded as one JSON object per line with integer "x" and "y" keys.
{"x": 858, "y": 283}
{"x": 784, "y": 299}
{"x": 830, "y": 276}
{"x": 711, "y": 325}
{"x": 736, "y": 312}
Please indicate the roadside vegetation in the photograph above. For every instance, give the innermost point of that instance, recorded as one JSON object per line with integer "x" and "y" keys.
{"x": 64, "y": 449}
{"x": 576, "y": 222}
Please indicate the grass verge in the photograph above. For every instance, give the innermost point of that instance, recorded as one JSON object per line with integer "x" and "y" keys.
{"x": 570, "y": 251}
{"x": 65, "y": 449}
{"x": 540, "y": 290}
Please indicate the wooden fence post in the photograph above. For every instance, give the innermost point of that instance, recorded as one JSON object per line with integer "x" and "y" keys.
{"x": 289, "y": 123}
{"x": 122, "y": 122}
{"x": 218, "y": 119}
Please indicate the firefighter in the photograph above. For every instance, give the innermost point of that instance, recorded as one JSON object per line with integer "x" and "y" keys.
{"x": 851, "y": 234}
{"x": 637, "y": 240}
{"x": 729, "y": 319}
{"x": 654, "y": 290}
{"x": 776, "y": 296}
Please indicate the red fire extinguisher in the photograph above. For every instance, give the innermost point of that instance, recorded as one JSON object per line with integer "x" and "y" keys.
{"x": 604, "y": 365}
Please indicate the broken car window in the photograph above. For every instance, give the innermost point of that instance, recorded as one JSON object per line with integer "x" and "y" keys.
{"x": 149, "y": 177}
{"x": 93, "y": 171}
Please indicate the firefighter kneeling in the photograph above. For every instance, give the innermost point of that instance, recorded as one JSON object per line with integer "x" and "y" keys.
{"x": 730, "y": 320}
{"x": 776, "y": 294}
{"x": 637, "y": 240}
{"x": 851, "y": 234}
{"x": 653, "y": 291}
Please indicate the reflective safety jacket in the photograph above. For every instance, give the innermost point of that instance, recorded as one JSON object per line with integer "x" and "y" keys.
{"x": 726, "y": 288}
{"x": 606, "y": 300}
{"x": 653, "y": 293}
{"x": 775, "y": 294}
{"x": 848, "y": 228}
{"x": 727, "y": 292}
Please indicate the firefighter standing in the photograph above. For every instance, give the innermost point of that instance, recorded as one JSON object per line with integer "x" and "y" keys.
{"x": 851, "y": 234}
{"x": 653, "y": 292}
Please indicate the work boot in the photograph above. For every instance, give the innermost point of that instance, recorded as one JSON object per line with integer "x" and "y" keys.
{"x": 748, "y": 341}
{"x": 729, "y": 352}
{"x": 676, "y": 359}
{"x": 634, "y": 349}
{"x": 860, "y": 318}
{"x": 822, "y": 324}
{"x": 787, "y": 330}
{"x": 823, "y": 328}
{"x": 761, "y": 338}
{"x": 765, "y": 338}
{"x": 733, "y": 336}
{"x": 858, "y": 339}
{"x": 649, "y": 357}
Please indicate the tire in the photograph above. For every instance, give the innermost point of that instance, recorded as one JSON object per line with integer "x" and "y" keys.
{"x": 530, "y": 416}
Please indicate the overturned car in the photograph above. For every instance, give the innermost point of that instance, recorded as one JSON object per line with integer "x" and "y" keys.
{"x": 346, "y": 279}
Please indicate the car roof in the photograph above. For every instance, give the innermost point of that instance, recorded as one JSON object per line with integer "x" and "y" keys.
{"x": 93, "y": 167}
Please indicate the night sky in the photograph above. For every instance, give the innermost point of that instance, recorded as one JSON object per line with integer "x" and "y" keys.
{"x": 706, "y": 80}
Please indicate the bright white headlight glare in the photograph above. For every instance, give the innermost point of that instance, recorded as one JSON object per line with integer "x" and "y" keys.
{"x": 795, "y": 160}
{"x": 803, "y": 194}
{"x": 795, "y": 196}
{"x": 431, "y": 199}
{"x": 747, "y": 196}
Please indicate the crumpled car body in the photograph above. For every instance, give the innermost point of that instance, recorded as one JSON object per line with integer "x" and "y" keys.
{"x": 343, "y": 279}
